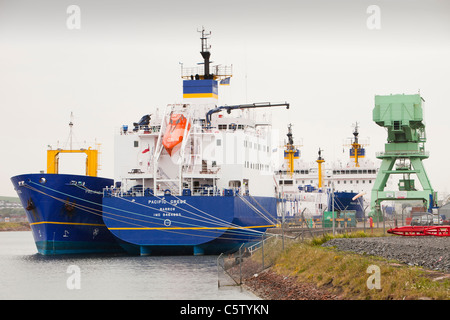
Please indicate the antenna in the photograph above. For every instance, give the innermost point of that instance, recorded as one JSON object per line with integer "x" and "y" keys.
{"x": 208, "y": 71}
{"x": 205, "y": 50}
{"x": 356, "y": 133}
{"x": 289, "y": 135}
{"x": 204, "y": 38}
{"x": 70, "y": 132}
{"x": 320, "y": 154}
{"x": 71, "y": 138}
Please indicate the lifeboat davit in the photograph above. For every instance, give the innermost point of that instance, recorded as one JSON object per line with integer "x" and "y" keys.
{"x": 174, "y": 132}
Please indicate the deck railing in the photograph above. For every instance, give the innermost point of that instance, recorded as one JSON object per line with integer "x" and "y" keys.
{"x": 139, "y": 191}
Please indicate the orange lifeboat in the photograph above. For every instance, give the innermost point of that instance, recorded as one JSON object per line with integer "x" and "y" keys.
{"x": 174, "y": 132}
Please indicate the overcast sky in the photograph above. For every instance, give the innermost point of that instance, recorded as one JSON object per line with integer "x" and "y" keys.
{"x": 323, "y": 57}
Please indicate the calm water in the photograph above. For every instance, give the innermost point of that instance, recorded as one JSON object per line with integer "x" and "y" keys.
{"x": 28, "y": 275}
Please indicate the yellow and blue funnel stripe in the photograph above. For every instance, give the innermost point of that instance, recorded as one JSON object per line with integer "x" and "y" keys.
{"x": 296, "y": 153}
{"x": 200, "y": 89}
{"x": 361, "y": 153}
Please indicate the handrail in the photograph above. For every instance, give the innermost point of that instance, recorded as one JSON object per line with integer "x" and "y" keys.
{"x": 139, "y": 191}
{"x": 258, "y": 244}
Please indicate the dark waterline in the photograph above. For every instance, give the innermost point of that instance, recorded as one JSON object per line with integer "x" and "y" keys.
{"x": 28, "y": 275}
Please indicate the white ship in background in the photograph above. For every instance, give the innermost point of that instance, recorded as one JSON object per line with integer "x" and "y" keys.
{"x": 308, "y": 185}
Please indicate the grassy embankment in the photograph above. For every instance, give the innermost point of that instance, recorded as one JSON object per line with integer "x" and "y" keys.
{"x": 345, "y": 273}
{"x": 12, "y": 212}
{"x": 14, "y": 226}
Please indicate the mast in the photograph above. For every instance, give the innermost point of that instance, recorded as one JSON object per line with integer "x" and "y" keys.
{"x": 289, "y": 135}
{"x": 91, "y": 155}
{"x": 205, "y": 52}
{"x": 70, "y": 130}
{"x": 290, "y": 150}
{"x": 319, "y": 161}
{"x": 200, "y": 84}
{"x": 355, "y": 145}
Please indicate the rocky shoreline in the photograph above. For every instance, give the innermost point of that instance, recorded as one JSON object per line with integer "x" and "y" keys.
{"x": 270, "y": 285}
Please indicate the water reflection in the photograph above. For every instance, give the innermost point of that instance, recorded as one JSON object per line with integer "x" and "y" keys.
{"x": 28, "y": 275}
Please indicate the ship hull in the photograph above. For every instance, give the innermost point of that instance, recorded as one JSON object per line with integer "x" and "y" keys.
{"x": 149, "y": 225}
{"x": 311, "y": 205}
{"x": 343, "y": 201}
{"x": 64, "y": 212}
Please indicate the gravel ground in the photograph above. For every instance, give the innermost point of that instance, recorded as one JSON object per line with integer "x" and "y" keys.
{"x": 428, "y": 252}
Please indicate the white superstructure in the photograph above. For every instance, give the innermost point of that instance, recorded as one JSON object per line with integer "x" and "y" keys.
{"x": 234, "y": 151}
{"x": 198, "y": 146}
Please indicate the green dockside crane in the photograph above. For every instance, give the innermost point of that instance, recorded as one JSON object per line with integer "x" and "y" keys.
{"x": 402, "y": 116}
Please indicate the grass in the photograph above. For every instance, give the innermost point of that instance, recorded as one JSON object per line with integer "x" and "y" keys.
{"x": 318, "y": 241}
{"x": 10, "y": 199}
{"x": 12, "y": 226}
{"x": 345, "y": 273}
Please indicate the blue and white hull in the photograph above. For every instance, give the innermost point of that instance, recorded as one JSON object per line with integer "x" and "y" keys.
{"x": 343, "y": 201}
{"x": 65, "y": 213}
{"x": 187, "y": 224}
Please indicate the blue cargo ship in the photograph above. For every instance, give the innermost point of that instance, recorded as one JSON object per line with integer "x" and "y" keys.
{"x": 187, "y": 224}
{"x": 193, "y": 178}
{"x": 65, "y": 212}
{"x": 196, "y": 177}
{"x": 347, "y": 201}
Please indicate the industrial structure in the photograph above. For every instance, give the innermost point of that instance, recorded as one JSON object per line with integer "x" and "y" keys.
{"x": 402, "y": 116}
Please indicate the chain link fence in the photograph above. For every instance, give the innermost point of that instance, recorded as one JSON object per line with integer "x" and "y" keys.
{"x": 235, "y": 266}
